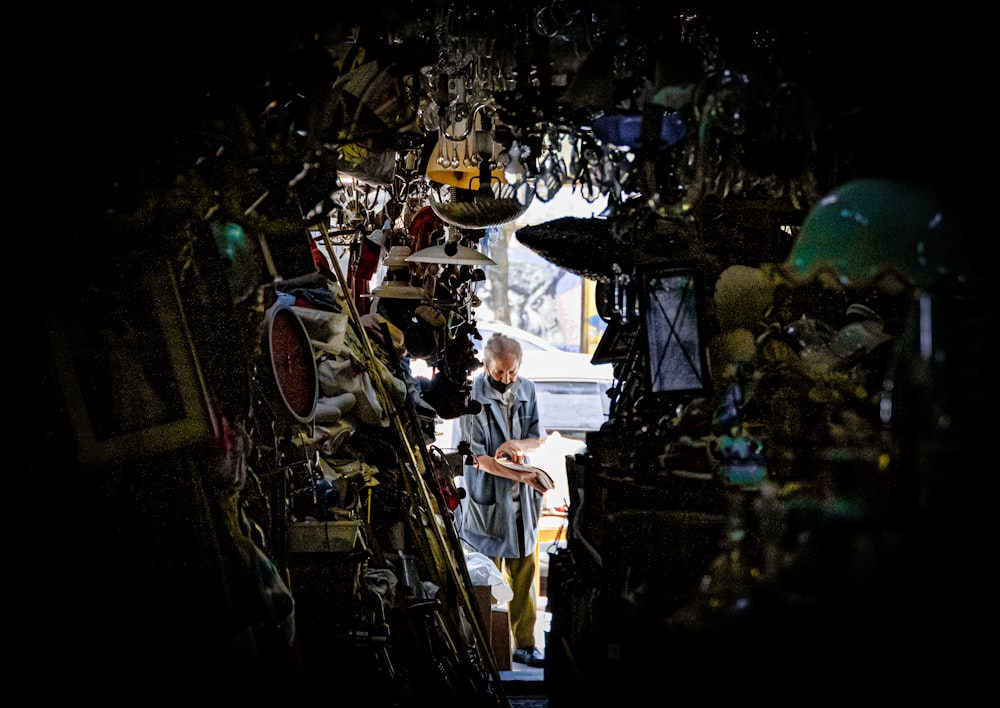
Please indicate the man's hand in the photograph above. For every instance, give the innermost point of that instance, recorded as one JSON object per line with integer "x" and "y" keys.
{"x": 535, "y": 482}
{"x": 517, "y": 450}
{"x": 509, "y": 454}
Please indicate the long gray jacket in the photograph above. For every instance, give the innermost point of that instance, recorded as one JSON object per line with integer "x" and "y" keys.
{"x": 488, "y": 522}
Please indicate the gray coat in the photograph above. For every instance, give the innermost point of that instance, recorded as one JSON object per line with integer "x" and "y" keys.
{"x": 488, "y": 523}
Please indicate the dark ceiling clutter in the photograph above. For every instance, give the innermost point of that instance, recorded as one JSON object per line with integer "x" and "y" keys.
{"x": 785, "y": 273}
{"x": 607, "y": 59}
{"x": 760, "y": 113}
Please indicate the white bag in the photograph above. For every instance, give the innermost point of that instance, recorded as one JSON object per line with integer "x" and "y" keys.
{"x": 483, "y": 571}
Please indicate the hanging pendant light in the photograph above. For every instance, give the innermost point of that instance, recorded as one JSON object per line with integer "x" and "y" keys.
{"x": 396, "y": 284}
{"x": 452, "y": 163}
{"x": 463, "y": 256}
{"x": 471, "y": 191}
{"x": 492, "y": 205}
{"x": 451, "y": 252}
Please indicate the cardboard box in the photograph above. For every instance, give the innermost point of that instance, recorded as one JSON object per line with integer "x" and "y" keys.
{"x": 496, "y": 626}
{"x": 500, "y": 639}
{"x": 484, "y": 600}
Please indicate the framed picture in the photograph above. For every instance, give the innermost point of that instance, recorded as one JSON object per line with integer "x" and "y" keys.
{"x": 615, "y": 344}
{"x": 127, "y": 368}
{"x": 676, "y": 362}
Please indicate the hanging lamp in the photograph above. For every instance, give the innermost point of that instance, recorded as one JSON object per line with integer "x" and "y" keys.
{"x": 469, "y": 189}
{"x": 451, "y": 252}
{"x": 396, "y": 284}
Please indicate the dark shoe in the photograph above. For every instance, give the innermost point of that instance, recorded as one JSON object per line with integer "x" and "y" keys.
{"x": 530, "y": 656}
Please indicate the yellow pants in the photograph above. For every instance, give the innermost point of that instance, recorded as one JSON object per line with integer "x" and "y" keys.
{"x": 519, "y": 573}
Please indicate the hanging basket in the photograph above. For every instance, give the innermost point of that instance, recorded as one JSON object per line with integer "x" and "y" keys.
{"x": 493, "y": 207}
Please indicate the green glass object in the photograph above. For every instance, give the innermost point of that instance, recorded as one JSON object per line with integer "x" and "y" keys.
{"x": 868, "y": 228}
{"x": 230, "y": 239}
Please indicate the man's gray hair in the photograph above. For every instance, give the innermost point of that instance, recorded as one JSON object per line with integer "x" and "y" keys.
{"x": 500, "y": 344}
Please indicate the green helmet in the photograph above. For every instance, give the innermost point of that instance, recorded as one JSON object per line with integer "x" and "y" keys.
{"x": 868, "y": 228}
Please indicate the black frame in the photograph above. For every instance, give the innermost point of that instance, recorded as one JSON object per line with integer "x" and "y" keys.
{"x": 129, "y": 374}
{"x": 673, "y": 319}
{"x": 615, "y": 343}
